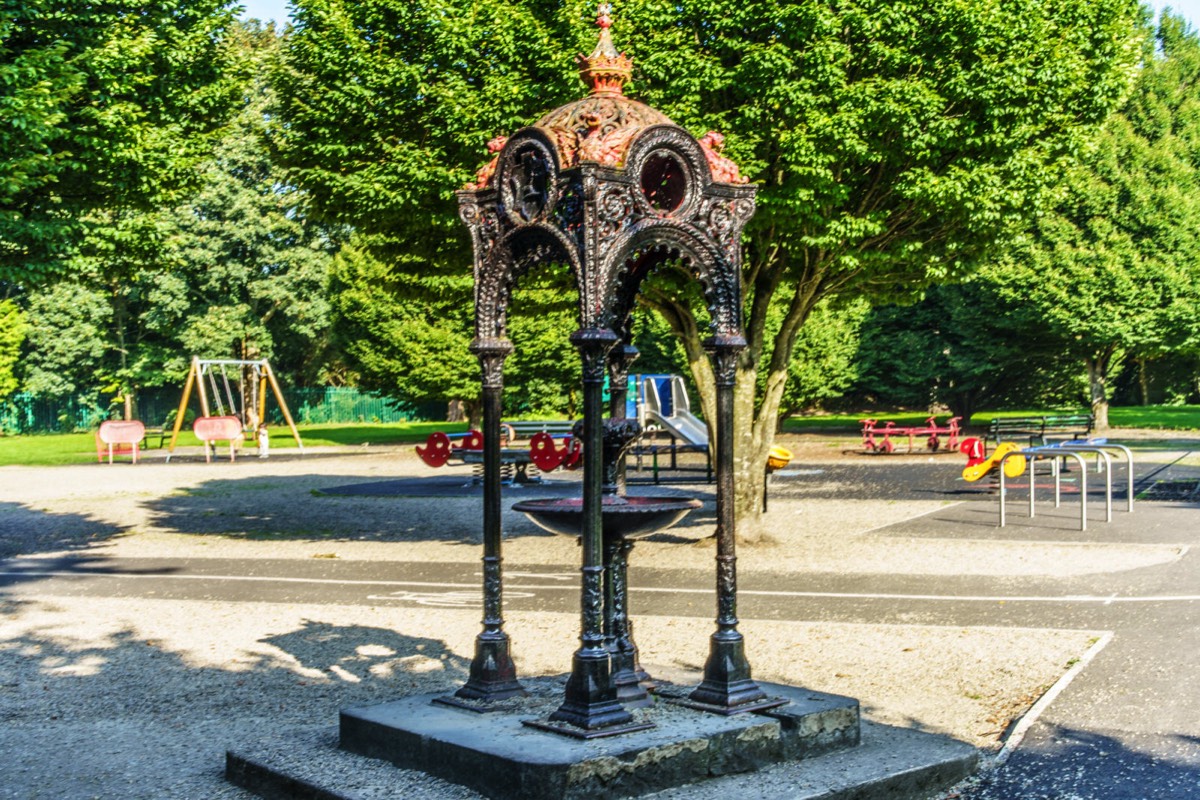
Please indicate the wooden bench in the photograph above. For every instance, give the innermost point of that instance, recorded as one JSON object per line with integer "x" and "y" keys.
{"x": 525, "y": 429}
{"x": 157, "y": 434}
{"x": 123, "y": 435}
{"x": 211, "y": 430}
{"x": 1037, "y": 429}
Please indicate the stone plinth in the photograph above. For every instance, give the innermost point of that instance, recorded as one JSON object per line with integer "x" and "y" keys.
{"x": 498, "y": 756}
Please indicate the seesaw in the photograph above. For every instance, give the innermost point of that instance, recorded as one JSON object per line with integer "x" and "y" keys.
{"x": 979, "y": 463}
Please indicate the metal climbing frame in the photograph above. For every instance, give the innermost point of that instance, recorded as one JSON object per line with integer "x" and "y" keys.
{"x": 1094, "y": 447}
{"x": 1076, "y": 451}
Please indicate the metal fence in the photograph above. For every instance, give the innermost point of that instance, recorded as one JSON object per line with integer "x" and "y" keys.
{"x": 26, "y": 413}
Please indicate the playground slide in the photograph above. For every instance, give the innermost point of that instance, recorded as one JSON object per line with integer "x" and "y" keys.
{"x": 677, "y": 418}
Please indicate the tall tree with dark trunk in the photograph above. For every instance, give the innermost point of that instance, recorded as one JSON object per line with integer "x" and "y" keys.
{"x": 894, "y": 142}
{"x": 1114, "y": 271}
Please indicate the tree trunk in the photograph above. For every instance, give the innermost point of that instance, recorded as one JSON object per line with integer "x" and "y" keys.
{"x": 754, "y": 435}
{"x": 474, "y": 411}
{"x": 119, "y": 318}
{"x": 1143, "y": 382}
{"x": 1097, "y": 370}
{"x": 963, "y": 405}
{"x": 755, "y": 417}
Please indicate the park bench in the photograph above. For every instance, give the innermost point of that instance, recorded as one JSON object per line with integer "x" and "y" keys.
{"x": 211, "y": 430}
{"x": 525, "y": 429}
{"x": 1036, "y": 430}
{"x": 157, "y": 434}
{"x": 120, "y": 436}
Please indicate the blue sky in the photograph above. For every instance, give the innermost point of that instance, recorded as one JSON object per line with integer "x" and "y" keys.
{"x": 277, "y": 9}
{"x": 1186, "y": 8}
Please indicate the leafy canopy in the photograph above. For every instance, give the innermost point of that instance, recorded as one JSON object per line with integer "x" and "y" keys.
{"x": 1115, "y": 268}
{"x": 895, "y": 142}
{"x": 105, "y": 104}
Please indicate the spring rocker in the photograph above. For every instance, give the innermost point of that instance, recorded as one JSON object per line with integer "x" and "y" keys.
{"x": 119, "y": 436}
{"x": 543, "y": 452}
{"x": 979, "y": 463}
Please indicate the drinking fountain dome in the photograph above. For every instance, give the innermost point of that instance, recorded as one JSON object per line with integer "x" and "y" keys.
{"x": 613, "y": 189}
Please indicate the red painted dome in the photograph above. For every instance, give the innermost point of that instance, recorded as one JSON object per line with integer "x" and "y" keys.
{"x": 599, "y": 128}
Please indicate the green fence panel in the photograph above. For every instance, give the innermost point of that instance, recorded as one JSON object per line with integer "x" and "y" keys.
{"x": 327, "y": 405}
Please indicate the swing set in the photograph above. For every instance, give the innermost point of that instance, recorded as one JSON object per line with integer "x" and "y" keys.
{"x": 212, "y": 375}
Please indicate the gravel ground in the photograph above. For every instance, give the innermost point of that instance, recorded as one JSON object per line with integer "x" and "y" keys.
{"x": 139, "y": 698}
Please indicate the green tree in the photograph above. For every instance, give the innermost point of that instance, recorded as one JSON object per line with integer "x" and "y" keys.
{"x": 543, "y": 370}
{"x": 894, "y": 143}
{"x": 66, "y": 339}
{"x": 247, "y": 270}
{"x": 234, "y": 270}
{"x": 108, "y": 107}
{"x": 408, "y": 337}
{"x": 12, "y": 334}
{"x": 404, "y": 348}
{"x": 1114, "y": 270}
{"x": 965, "y": 347}
{"x": 823, "y": 362}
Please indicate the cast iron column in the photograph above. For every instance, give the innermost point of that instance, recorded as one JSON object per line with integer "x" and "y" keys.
{"x": 627, "y": 672}
{"x": 727, "y": 687}
{"x": 590, "y": 699}
{"x": 619, "y": 362}
{"x": 493, "y": 676}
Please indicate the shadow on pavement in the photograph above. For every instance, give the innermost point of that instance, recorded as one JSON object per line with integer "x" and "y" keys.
{"x": 304, "y": 508}
{"x": 30, "y": 530}
{"x": 1086, "y": 765}
{"x": 134, "y": 716}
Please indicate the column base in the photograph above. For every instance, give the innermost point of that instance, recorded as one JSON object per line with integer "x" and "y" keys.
{"x": 630, "y": 691}
{"x": 493, "y": 678}
{"x": 727, "y": 687}
{"x": 590, "y": 708}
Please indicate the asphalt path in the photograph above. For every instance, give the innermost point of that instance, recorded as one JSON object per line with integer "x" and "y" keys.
{"x": 1127, "y": 728}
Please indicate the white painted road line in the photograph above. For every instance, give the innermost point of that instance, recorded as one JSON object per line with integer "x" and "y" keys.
{"x": 519, "y": 587}
{"x": 1043, "y": 702}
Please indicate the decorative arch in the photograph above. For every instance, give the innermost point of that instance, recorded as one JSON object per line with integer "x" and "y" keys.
{"x": 719, "y": 278}
{"x": 513, "y": 256}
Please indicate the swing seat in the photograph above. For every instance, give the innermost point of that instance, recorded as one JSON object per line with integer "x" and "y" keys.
{"x": 211, "y": 430}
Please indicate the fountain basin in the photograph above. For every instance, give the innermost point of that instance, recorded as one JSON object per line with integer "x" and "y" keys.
{"x": 623, "y": 517}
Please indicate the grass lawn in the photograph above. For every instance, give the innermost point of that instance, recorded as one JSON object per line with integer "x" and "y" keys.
{"x": 80, "y": 448}
{"x": 1145, "y": 417}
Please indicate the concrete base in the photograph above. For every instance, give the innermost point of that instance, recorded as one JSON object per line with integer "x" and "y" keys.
{"x": 811, "y": 741}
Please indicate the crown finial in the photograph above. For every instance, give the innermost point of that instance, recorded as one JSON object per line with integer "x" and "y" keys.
{"x": 606, "y": 70}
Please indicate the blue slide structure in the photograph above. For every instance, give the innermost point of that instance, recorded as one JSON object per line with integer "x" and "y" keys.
{"x": 661, "y": 402}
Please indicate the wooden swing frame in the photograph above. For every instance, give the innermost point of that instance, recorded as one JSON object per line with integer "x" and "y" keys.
{"x": 202, "y": 366}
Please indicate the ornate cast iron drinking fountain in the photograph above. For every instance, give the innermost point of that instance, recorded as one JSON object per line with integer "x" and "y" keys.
{"x": 612, "y": 189}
